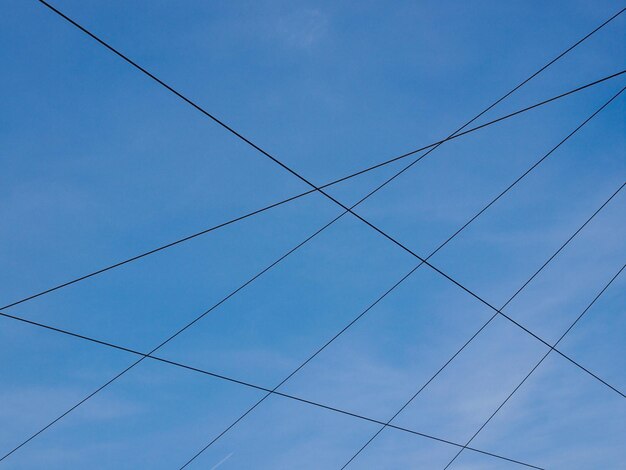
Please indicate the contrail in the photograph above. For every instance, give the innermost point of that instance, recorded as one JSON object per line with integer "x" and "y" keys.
{"x": 222, "y": 461}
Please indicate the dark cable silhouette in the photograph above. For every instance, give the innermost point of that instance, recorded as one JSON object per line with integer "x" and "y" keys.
{"x": 249, "y": 385}
{"x": 406, "y": 276}
{"x": 483, "y": 327}
{"x": 298, "y": 196}
{"x": 328, "y": 196}
{"x": 336, "y": 201}
{"x": 606, "y": 286}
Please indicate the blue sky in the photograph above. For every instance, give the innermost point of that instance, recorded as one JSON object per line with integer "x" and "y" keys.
{"x": 98, "y": 164}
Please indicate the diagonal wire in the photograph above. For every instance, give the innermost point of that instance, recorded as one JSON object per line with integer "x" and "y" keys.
{"x": 253, "y": 386}
{"x": 305, "y": 193}
{"x": 255, "y": 146}
{"x": 173, "y": 336}
{"x": 406, "y": 276}
{"x": 305, "y": 241}
{"x": 483, "y": 326}
{"x": 426, "y": 262}
{"x": 336, "y": 201}
{"x": 536, "y": 366}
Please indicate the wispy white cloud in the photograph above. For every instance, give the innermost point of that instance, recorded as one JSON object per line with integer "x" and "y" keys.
{"x": 300, "y": 28}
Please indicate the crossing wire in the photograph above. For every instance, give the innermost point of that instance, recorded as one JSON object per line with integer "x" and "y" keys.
{"x": 606, "y": 286}
{"x": 483, "y": 327}
{"x": 298, "y": 196}
{"x": 273, "y": 391}
{"x": 250, "y": 385}
{"x": 315, "y": 188}
{"x": 336, "y": 201}
{"x": 406, "y": 276}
